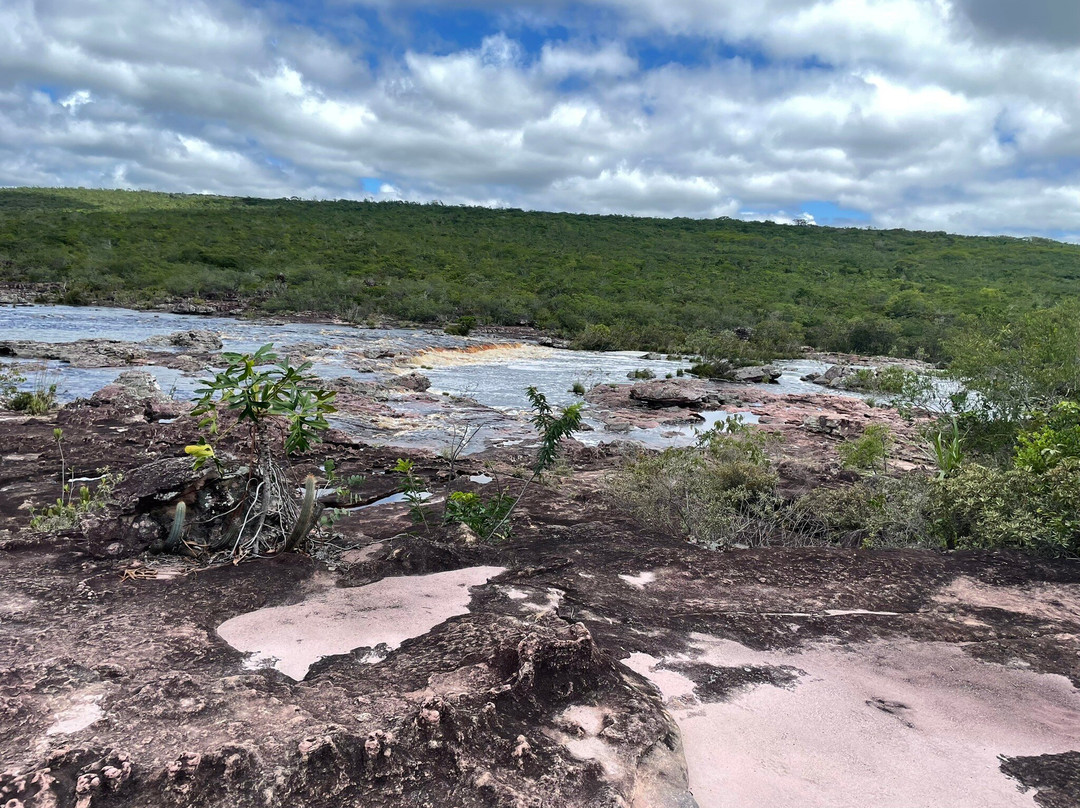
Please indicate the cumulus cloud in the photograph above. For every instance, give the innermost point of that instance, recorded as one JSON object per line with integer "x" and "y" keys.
{"x": 922, "y": 113}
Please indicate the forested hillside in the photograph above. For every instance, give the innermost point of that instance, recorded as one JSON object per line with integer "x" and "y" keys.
{"x": 607, "y": 281}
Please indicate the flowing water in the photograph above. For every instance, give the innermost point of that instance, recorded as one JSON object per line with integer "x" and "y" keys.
{"x": 468, "y": 367}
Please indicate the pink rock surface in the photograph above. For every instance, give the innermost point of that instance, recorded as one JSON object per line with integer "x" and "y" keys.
{"x": 892, "y": 724}
{"x": 335, "y": 621}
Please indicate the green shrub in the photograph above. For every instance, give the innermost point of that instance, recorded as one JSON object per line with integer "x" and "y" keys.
{"x": 1050, "y": 438}
{"x": 947, "y": 447}
{"x": 873, "y": 512}
{"x": 1015, "y": 367}
{"x": 10, "y": 379}
{"x": 260, "y": 390}
{"x": 717, "y": 493}
{"x": 988, "y": 508}
{"x": 462, "y": 328}
{"x": 578, "y": 389}
{"x": 34, "y": 402}
{"x": 869, "y": 451}
{"x": 38, "y": 401}
{"x": 641, "y": 373}
{"x": 717, "y": 369}
{"x": 487, "y": 518}
{"x": 596, "y": 337}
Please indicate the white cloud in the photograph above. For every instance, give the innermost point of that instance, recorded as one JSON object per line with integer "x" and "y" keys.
{"x": 922, "y": 113}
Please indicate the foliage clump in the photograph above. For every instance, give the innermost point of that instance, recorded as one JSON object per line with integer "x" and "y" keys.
{"x": 870, "y": 451}
{"x": 39, "y": 401}
{"x": 278, "y": 410}
{"x": 719, "y": 492}
{"x": 74, "y": 502}
{"x": 489, "y": 517}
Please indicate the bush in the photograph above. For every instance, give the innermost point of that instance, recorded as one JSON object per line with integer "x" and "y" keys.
{"x": 874, "y": 512}
{"x": 641, "y": 373}
{"x": 462, "y": 328}
{"x": 717, "y": 493}
{"x": 595, "y": 337}
{"x": 1029, "y": 364}
{"x": 988, "y": 508}
{"x": 38, "y": 401}
{"x": 260, "y": 390}
{"x": 10, "y": 379}
{"x": 868, "y": 451}
{"x": 487, "y": 518}
{"x": 1050, "y": 439}
{"x": 34, "y": 402}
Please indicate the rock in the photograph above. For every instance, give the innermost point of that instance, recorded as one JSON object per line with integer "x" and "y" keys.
{"x": 187, "y": 307}
{"x": 83, "y": 353}
{"x": 198, "y": 339}
{"x": 758, "y": 374}
{"x": 660, "y": 393}
{"x": 826, "y": 425}
{"x": 134, "y": 395}
{"x": 161, "y": 481}
{"x": 653, "y": 356}
{"x": 411, "y": 381}
{"x": 139, "y": 383}
{"x": 461, "y": 533}
{"x": 834, "y": 376}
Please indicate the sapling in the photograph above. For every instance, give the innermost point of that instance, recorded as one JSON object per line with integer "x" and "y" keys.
{"x": 551, "y": 429}
{"x": 258, "y": 389}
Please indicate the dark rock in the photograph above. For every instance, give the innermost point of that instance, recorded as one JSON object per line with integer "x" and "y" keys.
{"x": 661, "y": 393}
{"x": 186, "y": 307}
{"x": 411, "y": 381}
{"x": 758, "y": 374}
{"x": 83, "y": 353}
{"x": 134, "y": 395}
{"x": 161, "y": 482}
{"x": 199, "y": 339}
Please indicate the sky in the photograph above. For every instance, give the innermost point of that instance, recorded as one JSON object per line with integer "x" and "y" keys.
{"x": 955, "y": 115}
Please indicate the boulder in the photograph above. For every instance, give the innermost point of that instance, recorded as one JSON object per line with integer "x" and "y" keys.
{"x": 200, "y": 340}
{"x": 186, "y": 307}
{"x": 662, "y": 393}
{"x": 416, "y": 382}
{"x": 83, "y": 353}
{"x": 136, "y": 395}
{"x": 758, "y": 374}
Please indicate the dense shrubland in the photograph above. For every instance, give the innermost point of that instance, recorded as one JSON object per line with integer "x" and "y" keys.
{"x": 604, "y": 281}
{"x": 1005, "y": 462}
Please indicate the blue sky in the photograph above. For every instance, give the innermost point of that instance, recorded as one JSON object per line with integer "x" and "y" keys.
{"x": 931, "y": 114}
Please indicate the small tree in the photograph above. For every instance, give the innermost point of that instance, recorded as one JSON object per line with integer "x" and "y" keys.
{"x": 552, "y": 429}
{"x": 281, "y": 411}
{"x": 869, "y": 450}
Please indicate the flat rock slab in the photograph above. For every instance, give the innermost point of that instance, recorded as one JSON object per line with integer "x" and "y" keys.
{"x": 892, "y": 724}
{"x": 379, "y": 616}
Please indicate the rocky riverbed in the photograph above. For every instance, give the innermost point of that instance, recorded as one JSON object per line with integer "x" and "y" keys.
{"x": 585, "y": 661}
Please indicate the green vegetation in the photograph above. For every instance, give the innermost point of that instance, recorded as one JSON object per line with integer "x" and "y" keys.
{"x": 280, "y": 410}
{"x": 869, "y": 451}
{"x": 413, "y": 489}
{"x": 489, "y": 517}
{"x": 605, "y": 281}
{"x": 73, "y": 503}
{"x": 11, "y": 377}
{"x": 38, "y": 401}
{"x": 486, "y": 517}
{"x": 719, "y": 492}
